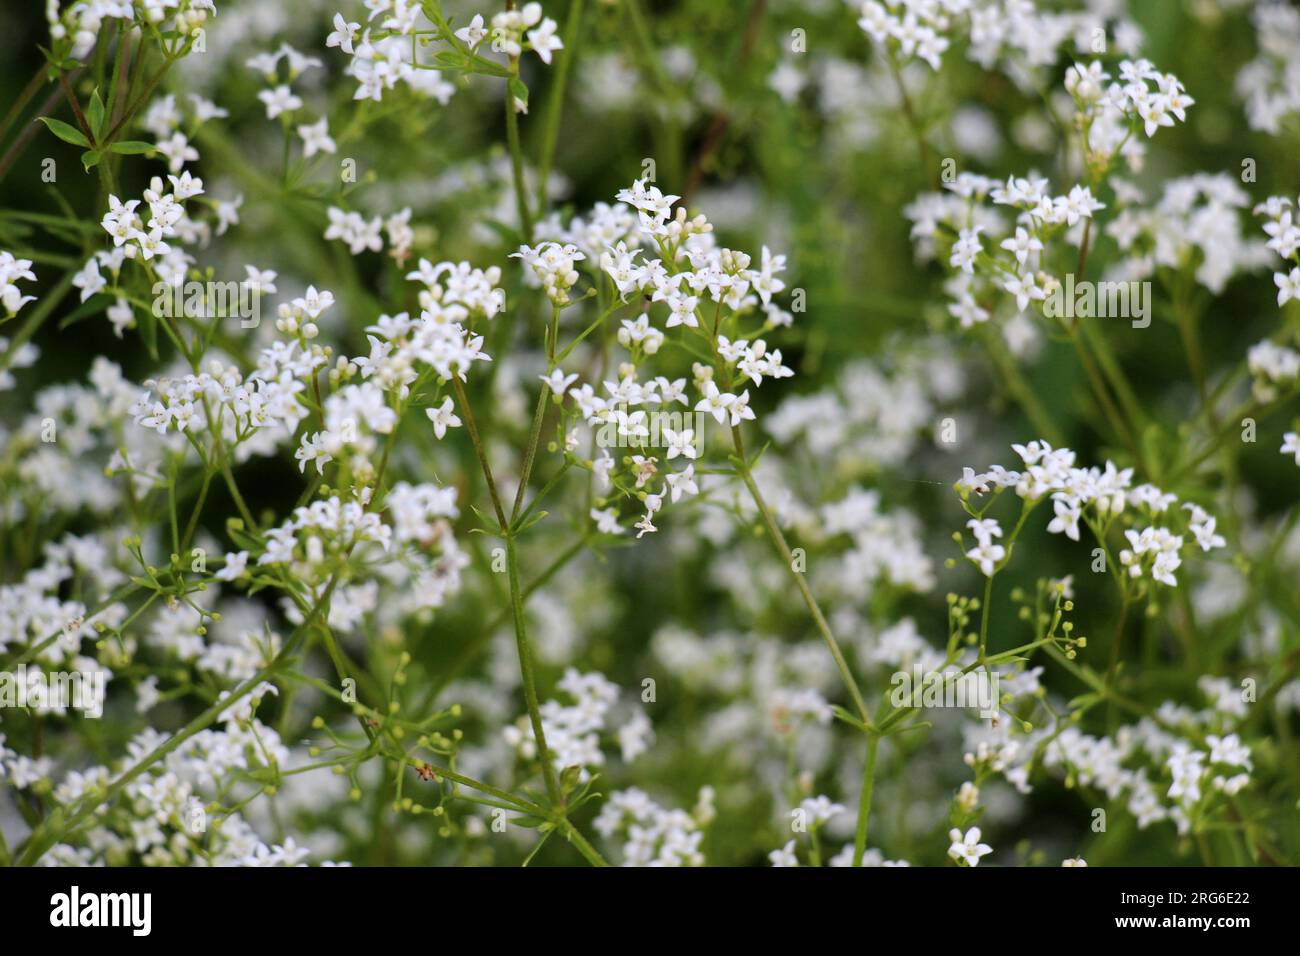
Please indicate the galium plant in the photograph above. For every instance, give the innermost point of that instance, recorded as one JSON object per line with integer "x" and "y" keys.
{"x": 396, "y": 435}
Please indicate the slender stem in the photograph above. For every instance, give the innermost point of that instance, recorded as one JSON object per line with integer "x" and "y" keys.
{"x": 31, "y": 89}
{"x": 1119, "y": 637}
{"x": 517, "y": 165}
{"x": 783, "y": 549}
{"x": 453, "y": 670}
{"x": 530, "y": 452}
{"x": 1083, "y": 255}
{"x": 1114, "y": 374}
{"x": 1117, "y": 422}
{"x": 588, "y": 851}
{"x": 79, "y": 116}
{"x": 1021, "y": 391}
{"x": 471, "y": 425}
{"x": 984, "y": 614}
{"x": 233, "y": 488}
{"x": 864, "y": 802}
{"x": 31, "y": 129}
{"x": 198, "y": 509}
{"x": 555, "y": 104}
{"x": 516, "y": 601}
{"x": 526, "y": 673}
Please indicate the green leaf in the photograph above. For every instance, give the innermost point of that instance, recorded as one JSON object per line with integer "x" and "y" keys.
{"x": 132, "y": 147}
{"x": 533, "y": 518}
{"x": 847, "y": 717}
{"x": 908, "y": 728}
{"x": 90, "y": 159}
{"x": 493, "y": 526}
{"x": 530, "y": 821}
{"x": 485, "y": 66}
{"x": 69, "y": 134}
{"x": 518, "y": 89}
{"x": 95, "y": 304}
{"x": 95, "y": 114}
{"x": 449, "y": 60}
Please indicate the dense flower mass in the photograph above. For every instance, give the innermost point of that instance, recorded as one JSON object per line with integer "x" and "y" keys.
{"x": 403, "y": 460}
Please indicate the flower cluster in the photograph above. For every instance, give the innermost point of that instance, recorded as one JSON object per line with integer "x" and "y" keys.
{"x": 1197, "y": 223}
{"x": 1283, "y": 239}
{"x": 146, "y": 238}
{"x": 74, "y": 27}
{"x": 219, "y": 400}
{"x": 1097, "y": 497}
{"x": 380, "y": 59}
{"x": 1171, "y": 765}
{"x": 653, "y": 835}
{"x": 11, "y": 270}
{"x": 573, "y": 730}
{"x": 691, "y": 272}
{"x": 163, "y": 818}
{"x": 1269, "y": 85}
{"x": 508, "y": 29}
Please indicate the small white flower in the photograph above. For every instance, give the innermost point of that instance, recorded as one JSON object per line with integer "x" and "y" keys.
{"x": 443, "y": 417}
{"x": 558, "y": 382}
{"x": 784, "y": 856}
{"x": 967, "y": 849}
{"x": 474, "y": 34}
{"x": 279, "y": 100}
{"x": 235, "y": 565}
{"x": 316, "y": 138}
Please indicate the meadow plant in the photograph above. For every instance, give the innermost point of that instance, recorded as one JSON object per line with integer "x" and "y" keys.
{"x": 609, "y": 481}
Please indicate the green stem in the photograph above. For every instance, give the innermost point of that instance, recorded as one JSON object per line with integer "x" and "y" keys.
{"x": 471, "y": 426}
{"x": 583, "y": 846}
{"x": 864, "y": 803}
{"x": 530, "y": 452}
{"x": 517, "y": 165}
{"x": 1021, "y": 391}
{"x": 555, "y": 103}
{"x": 783, "y": 549}
{"x": 526, "y": 674}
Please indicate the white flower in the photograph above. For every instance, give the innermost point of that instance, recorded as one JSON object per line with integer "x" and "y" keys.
{"x": 443, "y": 417}
{"x": 682, "y": 482}
{"x": 714, "y": 402}
{"x": 1022, "y": 244}
{"x": 544, "y": 41}
{"x": 261, "y": 282}
{"x": 739, "y": 409}
{"x": 1288, "y": 286}
{"x": 234, "y": 567}
{"x": 965, "y": 249}
{"x": 344, "y": 33}
{"x": 279, "y": 100}
{"x": 817, "y": 810}
{"x": 474, "y": 34}
{"x": 987, "y": 555}
{"x": 558, "y": 382}
{"x": 316, "y": 138}
{"x": 1291, "y": 445}
{"x": 680, "y": 443}
{"x": 784, "y": 856}
{"x": 967, "y": 849}
{"x": 606, "y": 521}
